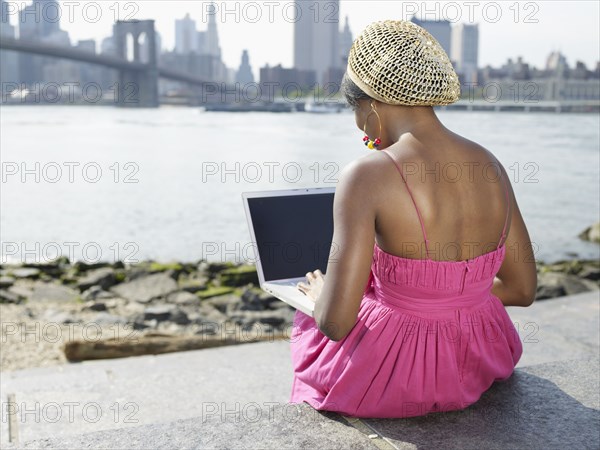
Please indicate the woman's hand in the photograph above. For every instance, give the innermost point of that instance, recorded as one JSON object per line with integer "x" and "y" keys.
{"x": 315, "y": 281}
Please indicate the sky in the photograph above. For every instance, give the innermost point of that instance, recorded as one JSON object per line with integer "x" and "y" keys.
{"x": 507, "y": 29}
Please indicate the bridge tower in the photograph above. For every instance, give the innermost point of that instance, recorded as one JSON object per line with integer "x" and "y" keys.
{"x": 137, "y": 88}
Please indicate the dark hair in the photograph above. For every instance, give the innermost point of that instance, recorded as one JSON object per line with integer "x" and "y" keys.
{"x": 352, "y": 92}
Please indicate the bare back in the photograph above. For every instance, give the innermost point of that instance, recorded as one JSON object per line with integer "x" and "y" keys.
{"x": 459, "y": 189}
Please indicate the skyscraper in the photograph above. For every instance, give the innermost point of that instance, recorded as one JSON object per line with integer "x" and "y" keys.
{"x": 346, "y": 41}
{"x": 201, "y": 37}
{"x": 197, "y": 52}
{"x": 556, "y": 61}
{"x": 37, "y": 21}
{"x": 441, "y": 30}
{"x": 212, "y": 37}
{"x": 186, "y": 38}
{"x": 465, "y": 50}
{"x": 40, "y": 19}
{"x": 49, "y": 17}
{"x": 244, "y": 74}
{"x": 316, "y": 37}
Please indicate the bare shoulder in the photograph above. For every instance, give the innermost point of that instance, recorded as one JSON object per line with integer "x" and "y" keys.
{"x": 478, "y": 149}
{"x": 362, "y": 170}
{"x": 361, "y": 179}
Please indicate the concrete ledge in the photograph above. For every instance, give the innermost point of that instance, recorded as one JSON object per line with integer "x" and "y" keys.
{"x": 237, "y": 396}
{"x": 280, "y": 427}
{"x": 555, "y": 405}
{"x": 142, "y": 390}
{"x": 558, "y": 329}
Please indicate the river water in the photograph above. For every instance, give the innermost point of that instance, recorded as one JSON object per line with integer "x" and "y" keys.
{"x": 101, "y": 183}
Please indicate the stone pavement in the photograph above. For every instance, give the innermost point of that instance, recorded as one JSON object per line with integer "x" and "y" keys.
{"x": 236, "y": 397}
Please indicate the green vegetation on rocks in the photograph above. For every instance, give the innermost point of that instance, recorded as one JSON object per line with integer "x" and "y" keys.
{"x": 239, "y": 276}
{"x": 162, "y": 267}
{"x": 214, "y": 291}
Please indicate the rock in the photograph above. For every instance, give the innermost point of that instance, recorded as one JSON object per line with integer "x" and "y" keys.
{"x": 135, "y": 273}
{"x": 146, "y": 288}
{"x": 133, "y": 309}
{"x": 202, "y": 267}
{"x": 256, "y": 300}
{"x": 193, "y": 284}
{"x": 57, "y": 316}
{"x": 207, "y": 314}
{"x": 104, "y": 318}
{"x": 573, "y": 285}
{"x": 214, "y": 268}
{"x": 9, "y": 297}
{"x": 21, "y": 289}
{"x": 111, "y": 302}
{"x": 545, "y": 291}
{"x": 138, "y": 325}
{"x": 52, "y": 268}
{"x": 556, "y": 284}
{"x": 223, "y": 302}
{"x": 279, "y": 304}
{"x": 276, "y": 317}
{"x": 6, "y": 282}
{"x": 183, "y": 298}
{"x": 171, "y": 328}
{"x": 159, "y": 312}
{"x": 179, "y": 317}
{"x": 25, "y": 272}
{"x": 239, "y": 276}
{"x": 162, "y": 313}
{"x": 251, "y": 301}
{"x": 69, "y": 276}
{"x": 61, "y": 261}
{"x": 572, "y": 267}
{"x": 95, "y": 306}
{"x": 591, "y": 233}
{"x": 214, "y": 291}
{"x": 53, "y": 292}
{"x": 103, "y": 277}
{"x": 175, "y": 267}
{"x": 81, "y": 266}
{"x": 590, "y": 273}
{"x": 96, "y": 293}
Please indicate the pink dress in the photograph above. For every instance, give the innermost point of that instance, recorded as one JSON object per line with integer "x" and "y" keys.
{"x": 429, "y": 337}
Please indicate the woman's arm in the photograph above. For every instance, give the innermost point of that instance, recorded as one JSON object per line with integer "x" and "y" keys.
{"x": 349, "y": 265}
{"x": 516, "y": 281}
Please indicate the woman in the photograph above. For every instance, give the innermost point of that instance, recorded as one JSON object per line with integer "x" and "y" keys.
{"x": 429, "y": 246}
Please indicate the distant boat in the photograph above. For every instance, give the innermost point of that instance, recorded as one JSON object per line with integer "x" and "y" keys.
{"x": 323, "y": 108}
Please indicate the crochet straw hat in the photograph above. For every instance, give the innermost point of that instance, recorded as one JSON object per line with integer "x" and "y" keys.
{"x": 400, "y": 63}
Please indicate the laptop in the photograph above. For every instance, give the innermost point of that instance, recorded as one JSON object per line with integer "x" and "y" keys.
{"x": 291, "y": 231}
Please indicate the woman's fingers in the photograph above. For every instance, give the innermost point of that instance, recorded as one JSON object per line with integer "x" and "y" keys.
{"x": 314, "y": 275}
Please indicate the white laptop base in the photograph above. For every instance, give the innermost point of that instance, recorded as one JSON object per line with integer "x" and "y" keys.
{"x": 287, "y": 291}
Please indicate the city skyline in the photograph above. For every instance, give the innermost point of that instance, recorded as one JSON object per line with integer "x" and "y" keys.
{"x": 280, "y": 50}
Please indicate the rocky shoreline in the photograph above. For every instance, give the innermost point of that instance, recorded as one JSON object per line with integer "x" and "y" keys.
{"x": 46, "y": 307}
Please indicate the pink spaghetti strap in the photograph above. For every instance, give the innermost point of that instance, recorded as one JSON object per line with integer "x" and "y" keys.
{"x": 503, "y": 235}
{"x": 413, "y": 200}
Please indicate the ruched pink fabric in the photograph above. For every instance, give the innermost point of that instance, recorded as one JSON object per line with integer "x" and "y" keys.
{"x": 429, "y": 337}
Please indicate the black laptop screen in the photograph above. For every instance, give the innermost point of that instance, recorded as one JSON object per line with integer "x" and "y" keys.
{"x": 293, "y": 233}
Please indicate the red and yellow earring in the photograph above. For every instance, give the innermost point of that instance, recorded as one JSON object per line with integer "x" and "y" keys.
{"x": 370, "y": 143}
